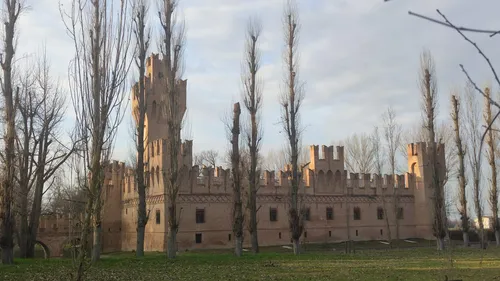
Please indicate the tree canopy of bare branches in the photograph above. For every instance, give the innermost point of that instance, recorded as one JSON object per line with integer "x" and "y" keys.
{"x": 101, "y": 33}
{"x": 41, "y": 108}
{"x": 209, "y": 158}
{"x": 359, "y": 153}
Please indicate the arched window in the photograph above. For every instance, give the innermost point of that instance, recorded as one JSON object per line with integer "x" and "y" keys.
{"x": 158, "y": 174}
{"x": 338, "y": 178}
{"x": 153, "y": 110}
{"x": 321, "y": 179}
{"x": 329, "y": 179}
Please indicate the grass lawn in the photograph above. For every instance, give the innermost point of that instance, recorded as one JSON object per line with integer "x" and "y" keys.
{"x": 317, "y": 264}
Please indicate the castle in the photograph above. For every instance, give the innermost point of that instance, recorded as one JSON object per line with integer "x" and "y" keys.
{"x": 339, "y": 205}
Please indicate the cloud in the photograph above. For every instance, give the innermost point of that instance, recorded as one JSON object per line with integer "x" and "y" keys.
{"x": 356, "y": 57}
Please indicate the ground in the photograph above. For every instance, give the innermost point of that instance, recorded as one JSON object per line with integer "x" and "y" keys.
{"x": 320, "y": 262}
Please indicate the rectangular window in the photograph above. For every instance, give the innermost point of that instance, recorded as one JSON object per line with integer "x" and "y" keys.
{"x": 307, "y": 214}
{"x": 273, "y": 214}
{"x": 158, "y": 217}
{"x": 356, "y": 232}
{"x": 357, "y": 214}
{"x": 279, "y": 235}
{"x": 381, "y": 232}
{"x": 200, "y": 215}
{"x": 305, "y": 234}
{"x": 229, "y": 237}
{"x": 329, "y": 213}
{"x": 400, "y": 214}
{"x": 380, "y": 213}
{"x": 330, "y": 233}
{"x": 197, "y": 238}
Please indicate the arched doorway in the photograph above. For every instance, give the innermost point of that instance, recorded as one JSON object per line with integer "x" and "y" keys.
{"x": 46, "y": 250}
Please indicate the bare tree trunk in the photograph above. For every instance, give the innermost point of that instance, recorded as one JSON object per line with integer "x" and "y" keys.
{"x": 11, "y": 11}
{"x": 378, "y": 158}
{"x": 492, "y": 143}
{"x": 429, "y": 93}
{"x": 142, "y": 37}
{"x": 172, "y": 49}
{"x": 236, "y": 171}
{"x": 291, "y": 101}
{"x": 473, "y": 128}
{"x": 455, "y": 115}
{"x": 101, "y": 36}
{"x": 252, "y": 97}
{"x": 392, "y": 133}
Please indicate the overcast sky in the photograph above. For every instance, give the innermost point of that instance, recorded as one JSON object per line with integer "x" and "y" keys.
{"x": 357, "y": 58}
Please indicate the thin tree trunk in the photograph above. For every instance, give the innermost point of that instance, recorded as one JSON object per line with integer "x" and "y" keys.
{"x": 461, "y": 171}
{"x": 429, "y": 93}
{"x": 84, "y": 239}
{"x": 237, "y": 171}
{"x": 386, "y": 217}
{"x": 492, "y": 143}
{"x": 142, "y": 38}
{"x": 291, "y": 102}
{"x": 12, "y": 9}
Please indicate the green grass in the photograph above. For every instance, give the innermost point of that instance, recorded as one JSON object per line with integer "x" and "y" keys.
{"x": 316, "y": 264}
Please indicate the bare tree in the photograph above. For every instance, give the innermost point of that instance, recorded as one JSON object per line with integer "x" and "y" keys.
{"x": 49, "y": 110}
{"x": 428, "y": 89}
{"x": 142, "y": 40}
{"x": 359, "y": 156}
{"x": 27, "y": 106}
{"x": 172, "y": 50}
{"x": 291, "y": 101}
{"x": 457, "y": 121}
{"x": 275, "y": 160}
{"x": 392, "y": 135}
{"x": 473, "y": 120}
{"x": 236, "y": 170}
{"x": 101, "y": 34}
{"x": 207, "y": 157}
{"x": 252, "y": 99}
{"x": 10, "y": 12}
{"x": 492, "y": 143}
{"x": 378, "y": 154}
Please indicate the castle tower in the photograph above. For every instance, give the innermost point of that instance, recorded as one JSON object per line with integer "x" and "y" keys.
{"x": 419, "y": 166}
{"x": 155, "y": 85}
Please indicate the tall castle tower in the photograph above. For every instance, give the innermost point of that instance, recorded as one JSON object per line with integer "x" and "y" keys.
{"x": 155, "y": 85}
{"x": 419, "y": 166}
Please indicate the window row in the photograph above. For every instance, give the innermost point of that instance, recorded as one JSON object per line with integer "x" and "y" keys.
{"x": 273, "y": 214}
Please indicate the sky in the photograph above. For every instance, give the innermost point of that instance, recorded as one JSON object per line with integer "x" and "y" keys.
{"x": 356, "y": 59}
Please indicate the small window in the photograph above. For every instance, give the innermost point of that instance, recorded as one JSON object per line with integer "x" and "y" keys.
{"x": 126, "y": 211}
{"x": 305, "y": 234}
{"x": 158, "y": 217}
{"x": 329, "y": 213}
{"x": 380, "y": 213}
{"x": 381, "y": 232}
{"x": 357, "y": 214}
{"x": 356, "y": 232}
{"x": 279, "y": 235}
{"x": 400, "y": 214}
{"x": 229, "y": 237}
{"x": 197, "y": 238}
{"x": 307, "y": 214}
{"x": 330, "y": 233}
{"x": 200, "y": 215}
{"x": 273, "y": 214}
